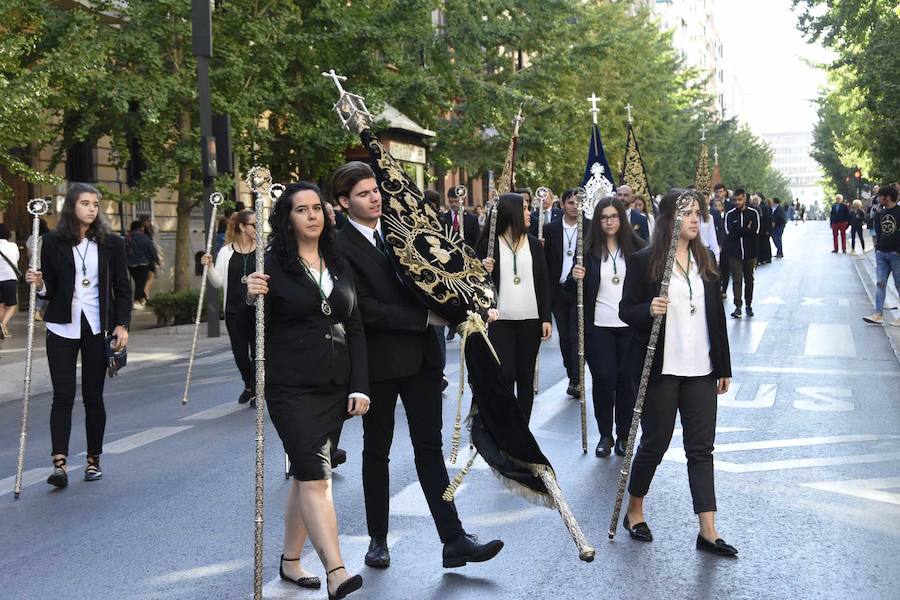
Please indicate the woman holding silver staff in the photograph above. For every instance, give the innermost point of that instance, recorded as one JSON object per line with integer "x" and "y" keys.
{"x": 608, "y": 340}
{"x": 232, "y": 267}
{"x": 85, "y": 281}
{"x": 523, "y": 296}
{"x": 692, "y": 363}
{"x": 316, "y": 372}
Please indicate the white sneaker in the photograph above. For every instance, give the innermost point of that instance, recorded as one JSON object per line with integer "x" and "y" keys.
{"x": 875, "y": 318}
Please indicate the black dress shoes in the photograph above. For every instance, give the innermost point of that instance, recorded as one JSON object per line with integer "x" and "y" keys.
{"x": 719, "y": 547}
{"x": 749, "y": 311}
{"x": 604, "y": 447}
{"x": 573, "y": 390}
{"x": 638, "y": 531}
{"x": 378, "y": 555}
{"x": 620, "y": 446}
{"x": 466, "y": 548}
{"x": 245, "y": 396}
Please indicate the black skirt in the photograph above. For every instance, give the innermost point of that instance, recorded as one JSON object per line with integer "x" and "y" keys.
{"x": 309, "y": 422}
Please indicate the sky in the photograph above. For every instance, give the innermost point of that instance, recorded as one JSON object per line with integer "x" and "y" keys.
{"x": 768, "y": 55}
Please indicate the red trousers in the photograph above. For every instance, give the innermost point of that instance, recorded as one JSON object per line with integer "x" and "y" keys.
{"x": 835, "y": 228}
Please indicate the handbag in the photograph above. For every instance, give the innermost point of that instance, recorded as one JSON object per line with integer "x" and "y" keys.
{"x": 13, "y": 265}
{"x": 115, "y": 359}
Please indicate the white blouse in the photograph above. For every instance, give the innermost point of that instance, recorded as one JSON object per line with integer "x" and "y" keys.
{"x": 84, "y": 299}
{"x": 686, "y": 349}
{"x": 606, "y": 309}
{"x": 517, "y": 301}
{"x": 327, "y": 282}
{"x": 708, "y": 235}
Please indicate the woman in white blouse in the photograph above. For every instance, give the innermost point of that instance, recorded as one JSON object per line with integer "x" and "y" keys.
{"x": 607, "y": 337}
{"x": 523, "y": 297}
{"x": 691, "y": 365}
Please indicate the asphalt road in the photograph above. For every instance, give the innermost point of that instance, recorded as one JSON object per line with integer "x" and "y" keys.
{"x": 807, "y": 473}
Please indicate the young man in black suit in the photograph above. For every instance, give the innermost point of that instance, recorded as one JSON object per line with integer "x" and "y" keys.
{"x": 742, "y": 225}
{"x": 638, "y": 220}
{"x": 460, "y": 221}
{"x": 405, "y": 360}
{"x": 560, "y": 239}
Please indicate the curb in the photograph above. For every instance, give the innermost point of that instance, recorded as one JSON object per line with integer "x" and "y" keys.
{"x": 865, "y": 270}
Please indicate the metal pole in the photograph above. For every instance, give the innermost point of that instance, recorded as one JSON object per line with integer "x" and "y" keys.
{"x": 579, "y": 260}
{"x": 37, "y": 207}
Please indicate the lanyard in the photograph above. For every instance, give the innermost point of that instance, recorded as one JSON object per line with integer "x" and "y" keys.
{"x": 516, "y": 279}
{"x": 324, "y": 306}
{"x": 687, "y": 277}
{"x": 85, "y": 282}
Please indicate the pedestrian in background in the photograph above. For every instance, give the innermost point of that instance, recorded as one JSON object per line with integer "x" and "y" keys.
{"x": 147, "y": 226}
{"x": 779, "y": 221}
{"x": 887, "y": 251}
{"x": 840, "y": 220}
{"x": 765, "y": 228}
{"x": 316, "y": 373}
{"x": 742, "y": 232}
{"x": 141, "y": 254}
{"x": 857, "y": 218}
{"x": 9, "y": 279}
{"x": 84, "y": 278}
{"x": 608, "y": 339}
{"x": 230, "y": 271}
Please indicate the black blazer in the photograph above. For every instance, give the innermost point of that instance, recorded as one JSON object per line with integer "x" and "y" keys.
{"x": 640, "y": 225}
{"x": 592, "y": 282}
{"x": 719, "y": 224}
{"x": 634, "y": 309}
{"x": 58, "y": 267}
{"x": 554, "y": 248}
{"x": 556, "y": 214}
{"x": 538, "y": 270}
{"x": 306, "y": 348}
{"x": 471, "y": 230}
{"x": 398, "y": 338}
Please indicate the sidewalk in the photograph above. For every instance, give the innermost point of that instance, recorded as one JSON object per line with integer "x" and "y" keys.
{"x": 147, "y": 343}
{"x": 865, "y": 268}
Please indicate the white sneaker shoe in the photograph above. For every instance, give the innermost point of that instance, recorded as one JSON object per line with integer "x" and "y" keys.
{"x": 875, "y": 318}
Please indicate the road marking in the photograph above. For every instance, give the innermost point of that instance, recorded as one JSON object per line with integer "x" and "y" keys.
{"x": 765, "y": 397}
{"x": 773, "y": 300}
{"x": 812, "y": 302}
{"x": 551, "y": 402}
{"x": 718, "y": 430}
{"x": 142, "y": 439}
{"x": 829, "y": 340}
{"x": 744, "y": 336}
{"x": 843, "y": 302}
{"x": 812, "y": 371}
{"x": 215, "y": 412}
{"x": 821, "y": 399}
{"x": 199, "y": 572}
{"x": 410, "y": 501}
{"x": 868, "y": 489}
{"x": 797, "y": 442}
{"x": 729, "y": 397}
{"x": 506, "y": 517}
{"x": 30, "y": 477}
{"x": 805, "y": 463}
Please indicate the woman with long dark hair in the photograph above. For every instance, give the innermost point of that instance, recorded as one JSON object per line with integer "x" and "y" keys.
{"x": 316, "y": 372}
{"x": 608, "y": 339}
{"x": 230, "y": 271}
{"x": 691, "y": 365}
{"x": 85, "y": 281}
{"x": 519, "y": 272}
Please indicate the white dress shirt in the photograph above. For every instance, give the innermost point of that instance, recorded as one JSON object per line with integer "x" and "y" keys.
{"x": 10, "y": 251}
{"x": 517, "y": 302}
{"x": 84, "y": 299}
{"x": 606, "y": 308}
{"x": 569, "y": 242}
{"x": 368, "y": 232}
{"x": 686, "y": 349}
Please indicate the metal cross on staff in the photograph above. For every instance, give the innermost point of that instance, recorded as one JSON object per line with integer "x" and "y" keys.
{"x": 628, "y": 108}
{"x": 594, "y": 110}
{"x": 350, "y": 108}
{"x": 703, "y": 133}
{"x": 518, "y": 121}
{"x": 716, "y": 154}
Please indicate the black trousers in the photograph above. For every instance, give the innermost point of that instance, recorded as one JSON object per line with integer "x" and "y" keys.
{"x": 606, "y": 352}
{"x": 856, "y": 231}
{"x": 421, "y": 396}
{"x": 695, "y": 399}
{"x": 242, "y": 331}
{"x": 139, "y": 275}
{"x": 742, "y": 277}
{"x": 62, "y": 355}
{"x": 564, "y": 313}
{"x": 724, "y": 269}
{"x": 517, "y": 344}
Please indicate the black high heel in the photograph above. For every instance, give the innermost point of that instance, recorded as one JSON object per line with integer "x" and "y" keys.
{"x": 59, "y": 478}
{"x": 310, "y": 583}
{"x": 346, "y": 588}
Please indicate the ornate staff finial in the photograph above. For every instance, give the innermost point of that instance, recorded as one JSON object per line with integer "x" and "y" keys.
{"x": 350, "y": 108}
{"x": 703, "y": 133}
{"x": 594, "y": 110}
{"x": 518, "y": 121}
{"x": 716, "y": 154}
{"x": 38, "y": 207}
{"x": 628, "y": 108}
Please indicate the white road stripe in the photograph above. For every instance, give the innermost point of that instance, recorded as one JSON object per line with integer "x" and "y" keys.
{"x": 215, "y": 412}
{"x": 199, "y": 572}
{"x": 798, "y": 442}
{"x": 142, "y": 438}
{"x": 812, "y": 371}
{"x": 829, "y": 340}
{"x": 868, "y": 489}
{"x": 744, "y": 335}
{"x": 805, "y": 463}
{"x": 30, "y": 477}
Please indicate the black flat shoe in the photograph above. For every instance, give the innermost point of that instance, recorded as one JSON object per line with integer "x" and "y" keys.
{"x": 573, "y": 390}
{"x": 749, "y": 312}
{"x": 604, "y": 447}
{"x": 92, "y": 471}
{"x": 737, "y": 313}
{"x": 639, "y": 531}
{"x": 719, "y": 547}
{"x": 245, "y": 397}
{"x": 345, "y": 589}
{"x": 466, "y": 548}
{"x": 378, "y": 555}
{"x": 59, "y": 478}
{"x": 620, "y": 446}
{"x": 310, "y": 583}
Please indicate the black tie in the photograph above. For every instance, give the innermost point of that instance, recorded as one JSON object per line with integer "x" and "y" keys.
{"x": 379, "y": 243}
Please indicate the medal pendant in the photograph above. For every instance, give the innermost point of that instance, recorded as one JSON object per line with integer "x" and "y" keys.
{"x": 693, "y": 309}
{"x": 616, "y": 279}
{"x": 85, "y": 282}
{"x": 569, "y": 253}
{"x": 244, "y": 279}
{"x": 326, "y": 308}
{"x": 517, "y": 280}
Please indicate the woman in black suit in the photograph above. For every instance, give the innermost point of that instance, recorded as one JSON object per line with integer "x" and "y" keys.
{"x": 608, "y": 346}
{"x": 691, "y": 365}
{"x": 519, "y": 272}
{"x": 316, "y": 372}
{"x": 84, "y": 279}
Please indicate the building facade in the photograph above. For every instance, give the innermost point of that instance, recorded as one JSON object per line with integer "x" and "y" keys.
{"x": 792, "y": 158}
